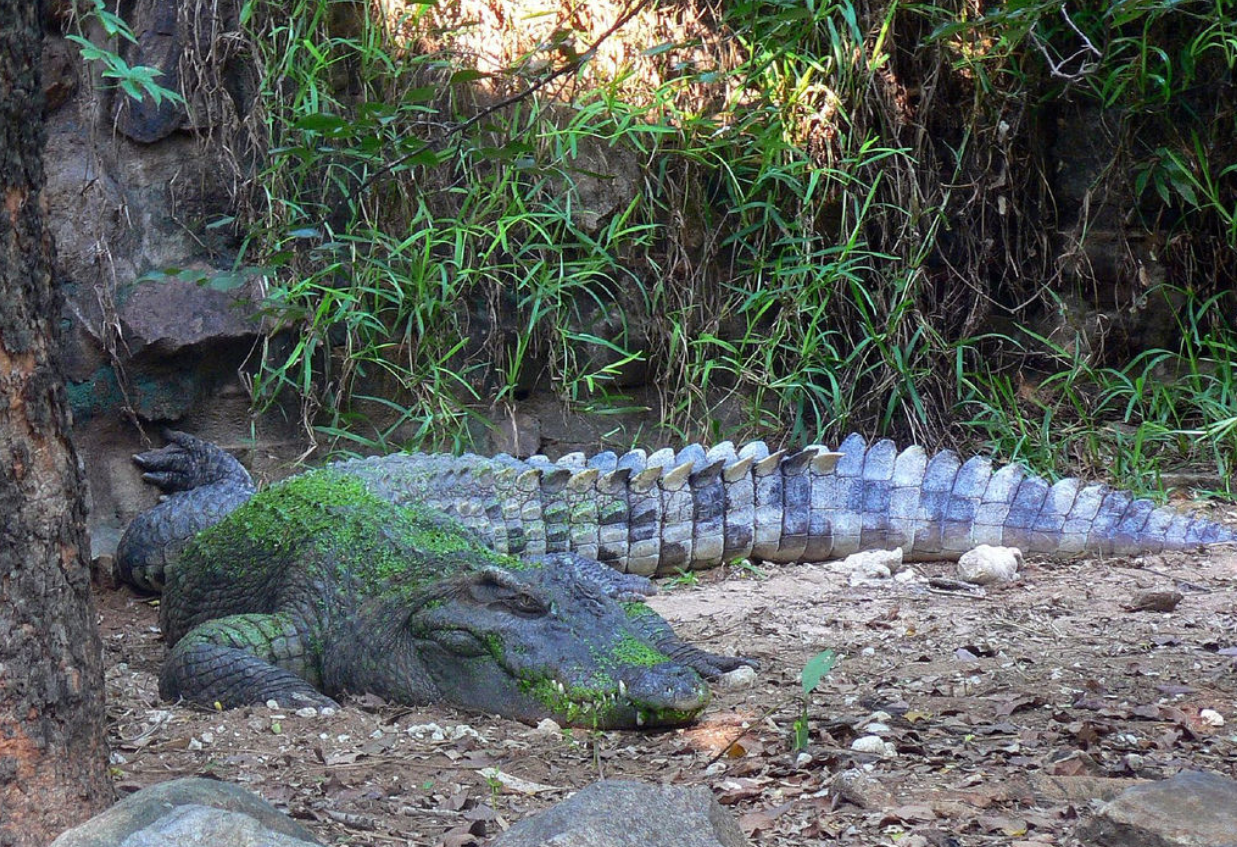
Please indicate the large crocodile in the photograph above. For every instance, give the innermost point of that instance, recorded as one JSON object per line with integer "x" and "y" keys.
{"x": 487, "y": 567}
{"x": 321, "y": 585}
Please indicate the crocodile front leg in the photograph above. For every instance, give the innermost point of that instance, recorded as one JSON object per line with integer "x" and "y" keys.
{"x": 241, "y": 660}
{"x": 654, "y": 630}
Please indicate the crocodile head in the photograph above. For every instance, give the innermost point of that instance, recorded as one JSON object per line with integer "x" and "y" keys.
{"x": 529, "y": 643}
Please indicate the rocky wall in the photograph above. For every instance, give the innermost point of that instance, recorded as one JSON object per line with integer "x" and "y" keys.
{"x": 129, "y": 192}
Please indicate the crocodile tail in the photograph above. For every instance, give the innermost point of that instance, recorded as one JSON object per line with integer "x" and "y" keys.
{"x": 656, "y": 513}
{"x": 941, "y": 507}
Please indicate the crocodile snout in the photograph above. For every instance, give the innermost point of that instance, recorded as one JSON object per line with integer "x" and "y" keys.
{"x": 668, "y": 688}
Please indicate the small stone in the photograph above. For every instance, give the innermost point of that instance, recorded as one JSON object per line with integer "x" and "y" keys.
{"x": 862, "y": 789}
{"x": 307, "y": 712}
{"x": 189, "y": 811}
{"x": 803, "y": 759}
{"x": 618, "y": 813}
{"x": 985, "y": 564}
{"x": 871, "y": 565}
{"x": 272, "y": 704}
{"x": 742, "y": 677}
{"x": 427, "y": 732}
{"x": 874, "y": 744}
{"x": 1154, "y": 601}
{"x": 1211, "y": 717}
{"x": 547, "y": 728}
{"x": 194, "y": 744}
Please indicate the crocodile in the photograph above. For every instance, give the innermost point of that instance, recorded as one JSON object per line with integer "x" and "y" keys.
{"x": 320, "y": 585}
{"x": 543, "y": 531}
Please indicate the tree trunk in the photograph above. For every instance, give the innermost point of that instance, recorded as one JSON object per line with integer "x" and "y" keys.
{"x": 53, "y": 757}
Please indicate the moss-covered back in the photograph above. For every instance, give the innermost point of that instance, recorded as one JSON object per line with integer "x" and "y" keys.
{"x": 325, "y": 518}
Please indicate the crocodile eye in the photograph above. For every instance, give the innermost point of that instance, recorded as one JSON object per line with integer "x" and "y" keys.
{"x": 525, "y": 604}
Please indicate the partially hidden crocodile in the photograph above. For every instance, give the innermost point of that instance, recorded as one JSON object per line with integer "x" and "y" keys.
{"x": 476, "y": 581}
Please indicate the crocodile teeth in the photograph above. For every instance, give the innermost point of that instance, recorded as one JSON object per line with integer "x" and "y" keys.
{"x": 639, "y": 718}
{"x": 622, "y": 688}
{"x": 562, "y": 689}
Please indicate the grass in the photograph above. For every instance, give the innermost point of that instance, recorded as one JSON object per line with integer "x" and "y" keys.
{"x": 795, "y": 215}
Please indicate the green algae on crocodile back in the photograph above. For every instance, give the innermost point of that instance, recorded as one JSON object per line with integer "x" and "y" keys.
{"x": 316, "y": 588}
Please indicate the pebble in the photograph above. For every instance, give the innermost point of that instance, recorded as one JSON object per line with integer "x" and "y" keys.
{"x": 736, "y": 679}
{"x": 985, "y": 564}
{"x": 547, "y": 728}
{"x": 874, "y": 744}
{"x": 871, "y": 565}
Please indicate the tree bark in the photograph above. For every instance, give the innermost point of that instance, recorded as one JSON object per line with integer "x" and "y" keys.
{"x": 53, "y": 755}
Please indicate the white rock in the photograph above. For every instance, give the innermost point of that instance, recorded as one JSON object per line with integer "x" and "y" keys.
{"x": 874, "y": 744}
{"x": 434, "y": 732}
{"x": 871, "y": 565}
{"x": 1211, "y": 717}
{"x": 307, "y": 712}
{"x": 546, "y": 727}
{"x": 985, "y": 564}
{"x": 427, "y": 732}
{"x": 743, "y": 677}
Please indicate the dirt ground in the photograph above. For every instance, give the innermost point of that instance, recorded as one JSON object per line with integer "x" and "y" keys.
{"x": 1006, "y": 715}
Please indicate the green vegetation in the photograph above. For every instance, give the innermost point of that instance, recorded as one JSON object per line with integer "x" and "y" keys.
{"x": 683, "y": 578}
{"x": 136, "y": 81}
{"x": 335, "y": 513}
{"x": 816, "y": 669}
{"x": 829, "y": 216}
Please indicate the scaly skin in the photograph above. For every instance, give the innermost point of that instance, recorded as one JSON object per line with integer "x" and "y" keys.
{"x": 346, "y": 592}
{"x": 317, "y": 587}
{"x": 658, "y": 513}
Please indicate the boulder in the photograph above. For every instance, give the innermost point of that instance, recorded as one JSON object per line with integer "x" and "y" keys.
{"x": 1192, "y": 809}
{"x": 186, "y": 813}
{"x": 626, "y": 813}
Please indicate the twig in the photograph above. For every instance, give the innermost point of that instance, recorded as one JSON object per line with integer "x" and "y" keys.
{"x": 1085, "y": 67}
{"x": 532, "y": 89}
